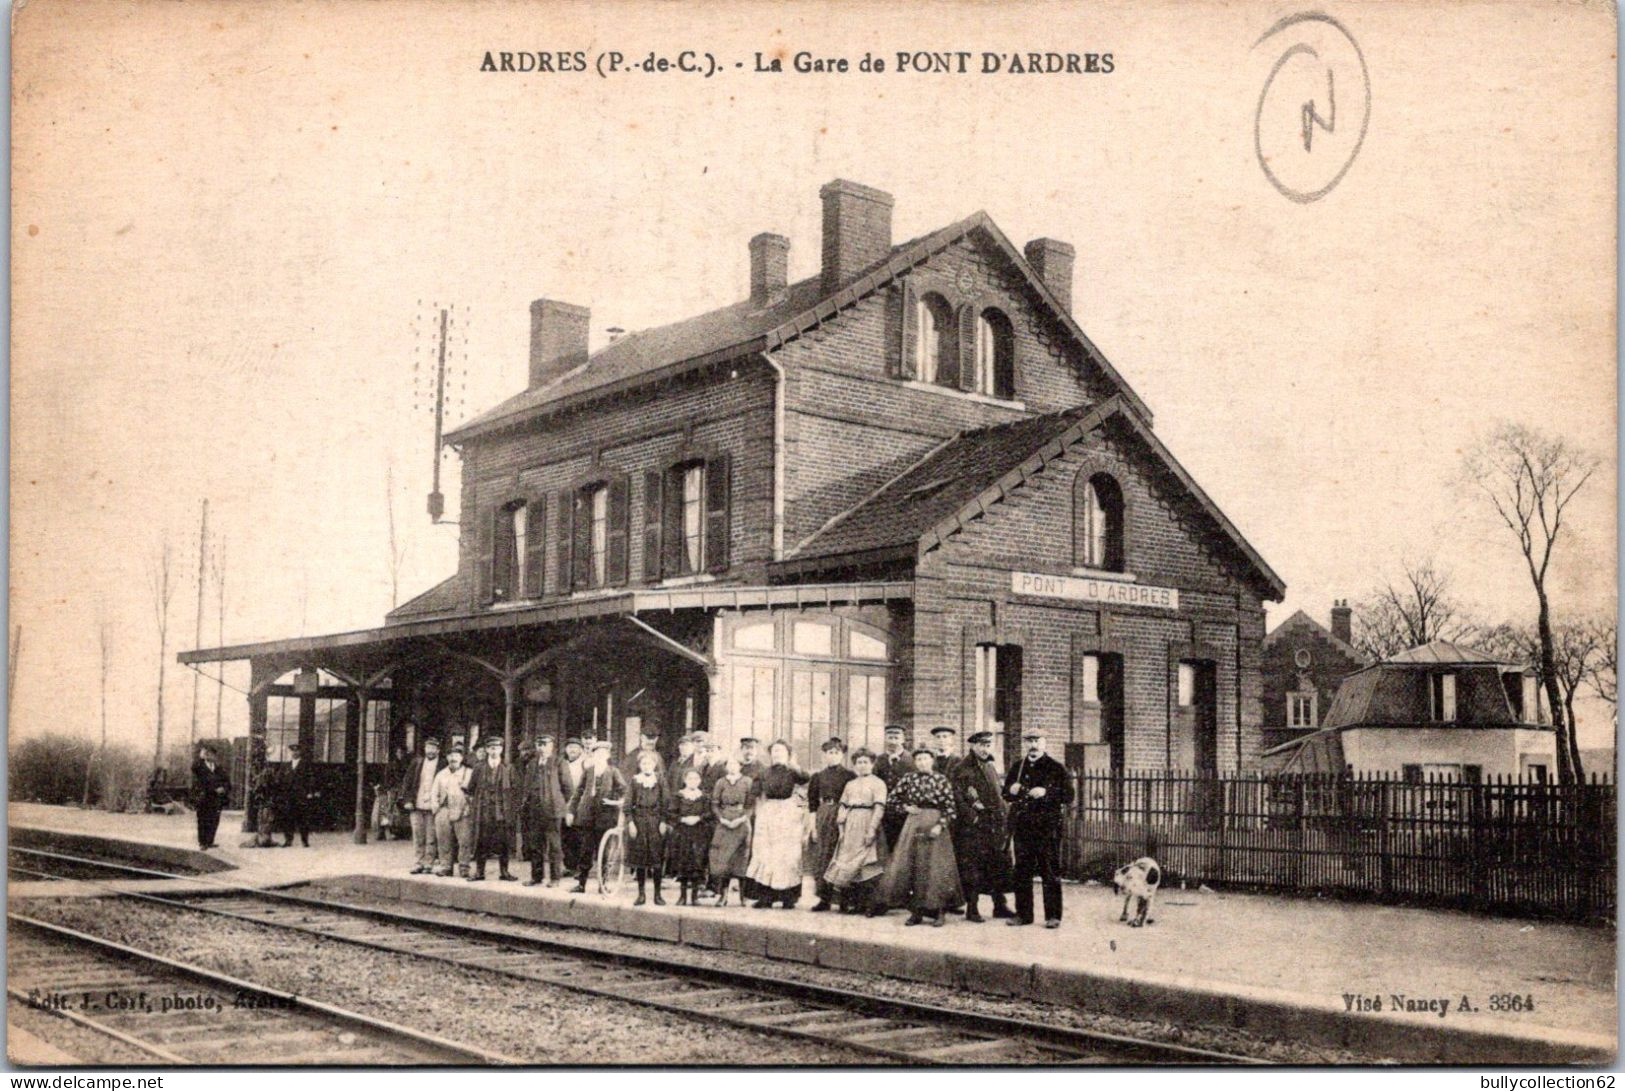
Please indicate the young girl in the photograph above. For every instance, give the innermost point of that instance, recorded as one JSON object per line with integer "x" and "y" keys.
{"x": 775, "y": 846}
{"x": 732, "y": 801}
{"x": 922, "y": 873}
{"x": 646, "y": 827}
{"x": 690, "y": 836}
{"x": 860, "y": 853}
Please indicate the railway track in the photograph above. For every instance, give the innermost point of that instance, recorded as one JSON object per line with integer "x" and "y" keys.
{"x": 898, "y": 1030}
{"x": 179, "y": 1014}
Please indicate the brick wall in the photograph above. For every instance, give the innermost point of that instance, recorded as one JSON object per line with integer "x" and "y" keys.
{"x": 1280, "y": 674}
{"x": 963, "y": 597}
{"x": 851, "y": 423}
{"x": 632, "y": 434}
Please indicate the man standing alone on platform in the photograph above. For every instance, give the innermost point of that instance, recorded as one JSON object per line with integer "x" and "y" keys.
{"x": 302, "y": 795}
{"x": 543, "y": 811}
{"x": 491, "y": 791}
{"x": 417, "y": 796}
{"x": 979, "y": 835}
{"x": 1039, "y": 792}
{"x": 210, "y": 788}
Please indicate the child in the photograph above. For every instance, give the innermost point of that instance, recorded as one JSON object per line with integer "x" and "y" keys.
{"x": 860, "y": 854}
{"x": 731, "y": 803}
{"x": 690, "y": 836}
{"x": 646, "y": 828}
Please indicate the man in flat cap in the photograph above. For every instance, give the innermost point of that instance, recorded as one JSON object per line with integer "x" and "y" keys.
{"x": 750, "y": 762}
{"x": 891, "y": 766}
{"x": 595, "y": 809}
{"x": 979, "y": 834}
{"x": 943, "y": 741}
{"x": 417, "y": 796}
{"x": 1039, "y": 791}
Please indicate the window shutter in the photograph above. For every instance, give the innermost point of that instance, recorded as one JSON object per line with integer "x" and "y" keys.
{"x": 718, "y": 498}
{"x": 911, "y": 333}
{"x": 616, "y": 540}
{"x": 966, "y": 344}
{"x": 671, "y": 513}
{"x": 482, "y": 558}
{"x": 581, "y": 540}
{"x": 502, "y": 558}
{"x": 653, "y": 513}
{"x": 535, "y": 559}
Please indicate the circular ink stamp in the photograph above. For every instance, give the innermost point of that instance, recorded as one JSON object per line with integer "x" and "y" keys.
{"x": 1314, "y": 107}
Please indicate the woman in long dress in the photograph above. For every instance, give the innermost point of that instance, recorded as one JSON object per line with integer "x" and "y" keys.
{"x": 690, "y": 838}
{"x": 922, "y": 873}
{"x": 646, "y": 824}
{"x": 775, "y": 847}
{"x": 733, "y": 798}
{"x": 860, "y": 853}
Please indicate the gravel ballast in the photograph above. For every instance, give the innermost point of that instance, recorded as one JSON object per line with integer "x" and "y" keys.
{"x": 527, "y": 1020}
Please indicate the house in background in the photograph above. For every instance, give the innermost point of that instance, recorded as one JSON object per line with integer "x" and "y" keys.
{"x": 1303, "y": 664}
{"x": 1439, "y": 710}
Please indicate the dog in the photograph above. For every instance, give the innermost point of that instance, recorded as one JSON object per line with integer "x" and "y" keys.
{"x": 1138, "y": 882}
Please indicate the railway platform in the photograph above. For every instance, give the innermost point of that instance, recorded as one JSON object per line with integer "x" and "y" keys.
{"x": 1322, "y": 971}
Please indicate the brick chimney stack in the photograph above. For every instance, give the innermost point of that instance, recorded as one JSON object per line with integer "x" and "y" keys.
{"x": 1342, "y": 621}
{"x": 769, "y": 266}
{"x": 857, "y": 230}
{"x": 558, "y": 339}
{"x": 1051, "y": 259}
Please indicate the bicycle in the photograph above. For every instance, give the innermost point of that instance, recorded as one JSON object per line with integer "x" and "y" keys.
{"x": 612, "y": 858}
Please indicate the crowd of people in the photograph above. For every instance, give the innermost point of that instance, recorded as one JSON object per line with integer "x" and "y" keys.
{"x": 930, "y": 831}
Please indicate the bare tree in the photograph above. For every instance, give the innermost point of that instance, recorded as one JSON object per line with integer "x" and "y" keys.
{"x": 104, "y": 643}
{"x": 1603, "y": 675}
{"x": 397, "y": 548}
{"x": 1412, "y": 610}
{"x": 161, "y": 584}
{"x": 1530, "y": 479}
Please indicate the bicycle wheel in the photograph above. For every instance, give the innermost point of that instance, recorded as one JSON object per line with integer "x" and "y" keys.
{"x": 611, "y": 862}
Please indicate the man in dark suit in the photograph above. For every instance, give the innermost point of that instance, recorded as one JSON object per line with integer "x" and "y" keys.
{"x": 417, "y": 796}
{"x": 571, "y": 769}
{"x": 979, "y": 833}
{"x": 492, "y": 795}
{"x": 211, "y": 786}
{"x": 595, "y": 808}
{"x": 1039, "y": 792}
{"x": 301, "y": 796}
{"x": 890, "y": 766}
{"x": 542, "y": 812}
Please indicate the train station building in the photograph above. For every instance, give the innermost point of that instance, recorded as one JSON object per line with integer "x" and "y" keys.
{"x": 908, "y": 489}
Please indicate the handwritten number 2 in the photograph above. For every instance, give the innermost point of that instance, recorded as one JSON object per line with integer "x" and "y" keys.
{"x": 1311, "y": 118}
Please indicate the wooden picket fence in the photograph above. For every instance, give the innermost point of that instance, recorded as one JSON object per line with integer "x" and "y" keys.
{"x": 1503, "y": 845}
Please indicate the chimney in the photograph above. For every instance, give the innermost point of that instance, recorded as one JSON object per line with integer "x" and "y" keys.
{"x": 769, "y": 266}
{"x": 558, "y": 339}
{"x": 1051, "y": 259}
{"x": 1342, "y": 621}
{"x": 857, "y": 230}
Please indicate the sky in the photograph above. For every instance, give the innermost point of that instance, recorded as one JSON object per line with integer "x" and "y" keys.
{"x": 233, "y": 223}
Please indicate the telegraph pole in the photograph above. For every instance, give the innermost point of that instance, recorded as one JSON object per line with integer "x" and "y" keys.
{"x": 197, "y": 636}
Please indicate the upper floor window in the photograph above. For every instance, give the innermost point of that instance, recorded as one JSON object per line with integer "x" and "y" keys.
{"x": 933, "y": 341}
{"x": 510, "y": 550}
{"x": 593, "y": 535}
{"x": 1300, "y": 709}
{"x": 1442, "y": 696}
{"x": 686, "y": 518}
{"x": 1098, "y": 529}
{"x": 995, "y": 355}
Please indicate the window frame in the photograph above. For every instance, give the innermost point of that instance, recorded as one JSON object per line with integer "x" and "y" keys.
{"x": 1442, "y": 697}
{"x": 1308, "y": 699}
{"x": 1100, "y": 518}
{"x": 933, "y": 340}
{"x": 994, "y": 355}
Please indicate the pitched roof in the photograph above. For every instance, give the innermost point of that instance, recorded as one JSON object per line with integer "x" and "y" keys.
{"x": 448, "y": 595}
{"x": 1301, "y": 620}
{"x": 744, "y": 328}
{"x": 1448, "y": 653}
{"x": 963, "y": 477}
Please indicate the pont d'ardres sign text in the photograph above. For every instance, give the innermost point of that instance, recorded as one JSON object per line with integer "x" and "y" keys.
{"x": 1085, "y": 589}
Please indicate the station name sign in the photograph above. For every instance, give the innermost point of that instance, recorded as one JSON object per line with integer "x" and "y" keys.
{"x": 1084, "y": 589}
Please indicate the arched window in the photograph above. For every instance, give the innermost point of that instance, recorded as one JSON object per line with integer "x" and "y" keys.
{"x": 995, "y": 355}
{"x": 1098, "y": 528}
{"x": 933, "y": 340}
